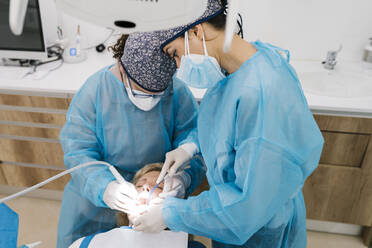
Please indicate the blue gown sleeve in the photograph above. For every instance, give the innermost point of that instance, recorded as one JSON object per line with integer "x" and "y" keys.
{"x": 186, "y": 116}
{"x": 80, "y": 144}
{"x": 267, "y": 175}
{"x": 186, "y": 109}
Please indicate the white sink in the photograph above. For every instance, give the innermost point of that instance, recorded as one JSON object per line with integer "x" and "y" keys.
{"x": 347, "y": 80}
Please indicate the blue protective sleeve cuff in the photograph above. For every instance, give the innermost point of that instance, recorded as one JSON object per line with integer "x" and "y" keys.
{"x": 171, "y": 218}
{"x": 96, "y": 186}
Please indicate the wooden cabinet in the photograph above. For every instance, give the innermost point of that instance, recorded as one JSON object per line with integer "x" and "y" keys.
{"x": 340, "y": 189}
{"x": 30, "y": 149}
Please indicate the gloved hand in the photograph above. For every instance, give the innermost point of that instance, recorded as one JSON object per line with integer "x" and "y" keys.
{"x": 176, "y": 185}
{"x": 174, "y": 160}
{"x": 138, "y": 211}
{"x": 151, "y": 221}
{"x": 121, "y": 197}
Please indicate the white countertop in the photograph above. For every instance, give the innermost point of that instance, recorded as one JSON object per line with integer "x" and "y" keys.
{"x": 67, "y": 80}
{"x": 64, "y": 81}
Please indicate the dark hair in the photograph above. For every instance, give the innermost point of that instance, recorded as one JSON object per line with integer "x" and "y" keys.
{"x": 219, "y": 21}
{"x": 118, "y": 48}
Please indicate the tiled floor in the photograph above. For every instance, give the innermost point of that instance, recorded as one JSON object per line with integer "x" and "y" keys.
{"x": 39, "y": 219}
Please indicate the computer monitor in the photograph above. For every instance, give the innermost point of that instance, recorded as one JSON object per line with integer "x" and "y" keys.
{"x": 31, "y": 44}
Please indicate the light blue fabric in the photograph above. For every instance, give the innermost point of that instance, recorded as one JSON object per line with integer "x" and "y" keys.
{"x": 103, "y": 124}
{"x": 8, "y": 227}
{"x": 198, "y": 71}
{"x": 198, "y": 74}
{"x": 86, "y": 241}
{"x": 260, "y": 142}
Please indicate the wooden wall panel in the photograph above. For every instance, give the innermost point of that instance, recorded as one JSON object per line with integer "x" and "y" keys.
{"x": 35, "y": 101}
{"x": 26, "y": 177}
{"x": 50, "y": 133}
{"x": 2, "y": 177}
{"x": 345, "y": 149}
{"x": 34, "y": 152}
{"x": 46, "y": 118}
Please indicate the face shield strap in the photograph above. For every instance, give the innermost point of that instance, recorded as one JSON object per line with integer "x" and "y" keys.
{"x": 187, "y": 46}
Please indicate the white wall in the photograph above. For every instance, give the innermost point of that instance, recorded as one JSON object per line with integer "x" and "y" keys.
{"x": 92, "y": 35}
{"x": 309, "y": 28}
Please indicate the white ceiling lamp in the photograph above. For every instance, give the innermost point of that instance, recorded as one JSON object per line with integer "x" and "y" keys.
{"x": 129, "y": 16}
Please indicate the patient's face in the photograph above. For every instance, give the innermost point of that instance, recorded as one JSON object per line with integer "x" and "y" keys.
{"x": 146, "y": 183}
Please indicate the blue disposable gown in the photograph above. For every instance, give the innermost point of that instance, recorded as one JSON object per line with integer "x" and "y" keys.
{"x": 8, "y": 227}
{"x": 260, "y": 142}
{"x": 103, "y": 124}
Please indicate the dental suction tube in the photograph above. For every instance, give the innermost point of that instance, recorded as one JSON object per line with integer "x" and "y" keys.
{"x": 116, "y": 174}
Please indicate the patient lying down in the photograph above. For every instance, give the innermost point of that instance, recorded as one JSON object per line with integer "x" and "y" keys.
{"x": 144, "y": 181}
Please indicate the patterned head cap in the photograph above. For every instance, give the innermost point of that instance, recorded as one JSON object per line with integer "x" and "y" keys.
{"x": 214, "y": 8}
{"x": 145, "y": 63}
{"x": 144, "y": 60}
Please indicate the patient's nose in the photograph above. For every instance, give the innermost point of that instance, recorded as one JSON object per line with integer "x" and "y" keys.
{"x": 146, "y": 187}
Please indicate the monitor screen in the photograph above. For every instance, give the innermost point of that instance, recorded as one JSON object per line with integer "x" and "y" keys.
{"x": 32, "y": 37}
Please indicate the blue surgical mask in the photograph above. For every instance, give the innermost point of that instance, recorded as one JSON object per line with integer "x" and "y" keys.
{"x": 198, "y": 71}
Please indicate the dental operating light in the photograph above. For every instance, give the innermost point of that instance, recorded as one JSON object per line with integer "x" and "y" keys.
{"x": 128, "y": 16}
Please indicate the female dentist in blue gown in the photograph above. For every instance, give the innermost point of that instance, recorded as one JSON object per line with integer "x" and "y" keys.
{"x": 256, "y": 134}
{"x": 129, "y": 114}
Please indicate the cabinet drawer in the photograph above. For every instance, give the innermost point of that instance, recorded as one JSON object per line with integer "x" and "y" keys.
{"x": 344, "y": 124}
{"x": 344, "y": 149}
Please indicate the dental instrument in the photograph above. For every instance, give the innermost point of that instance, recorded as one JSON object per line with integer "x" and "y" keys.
{"x": 153, "y": 189}
{"x": 180, "y": 170}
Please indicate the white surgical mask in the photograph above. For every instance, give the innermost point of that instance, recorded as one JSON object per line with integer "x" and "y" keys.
{"x": 199, "y": 71}
{"x": 142, "y": 100}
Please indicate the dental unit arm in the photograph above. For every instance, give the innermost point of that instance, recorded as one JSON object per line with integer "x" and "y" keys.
{"x": 115, "y": 173}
